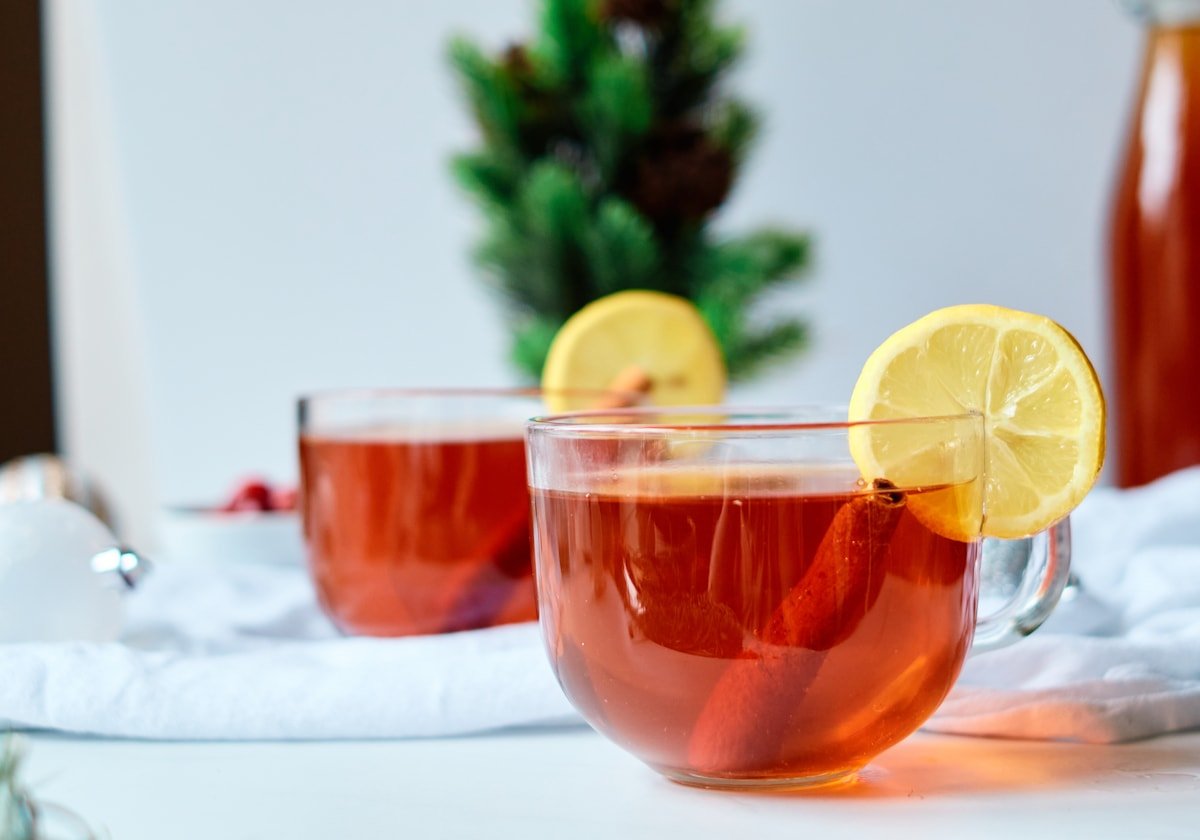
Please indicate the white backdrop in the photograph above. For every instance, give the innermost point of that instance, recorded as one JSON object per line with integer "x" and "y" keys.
{"x": 251, "y": 200}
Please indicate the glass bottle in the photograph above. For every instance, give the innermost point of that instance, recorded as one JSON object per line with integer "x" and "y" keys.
{"x": 1155, "y": 253}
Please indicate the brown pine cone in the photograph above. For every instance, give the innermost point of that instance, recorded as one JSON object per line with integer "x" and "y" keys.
{"x": 679, "y": 176}
{"x": 518, "y": 67}
{"x": 651, "y": 14}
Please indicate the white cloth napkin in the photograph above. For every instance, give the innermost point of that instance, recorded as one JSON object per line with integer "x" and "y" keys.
{"x": 216, "y": 652}
{"x": 243, "y": 652}
{"x": 1121, "y": 659}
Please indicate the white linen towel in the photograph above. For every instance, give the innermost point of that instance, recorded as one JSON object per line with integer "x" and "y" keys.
{"x": 243, "y": 652}
{"x": 217, "y": 652}
{"x": 1121, "y": 660}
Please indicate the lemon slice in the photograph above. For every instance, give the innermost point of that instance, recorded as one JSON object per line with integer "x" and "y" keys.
{"x": 1041, "y": 404}
{"x": 636, "y": 340}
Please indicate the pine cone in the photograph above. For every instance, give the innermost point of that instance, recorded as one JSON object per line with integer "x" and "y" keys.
{"x": 679, "y": 176}
{"x": 650, "y": 14}
{"x": 545, "y": 117}
{"x": 516, "y": 64}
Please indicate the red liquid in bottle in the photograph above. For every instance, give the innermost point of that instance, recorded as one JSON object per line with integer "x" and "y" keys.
{"x": 1155, "y": 264}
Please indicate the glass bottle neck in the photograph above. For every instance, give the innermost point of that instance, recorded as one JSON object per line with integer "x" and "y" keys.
{"x": 1165, "y": 12}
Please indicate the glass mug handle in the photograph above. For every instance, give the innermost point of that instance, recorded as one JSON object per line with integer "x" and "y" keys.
{"x": 1030, "y": 574}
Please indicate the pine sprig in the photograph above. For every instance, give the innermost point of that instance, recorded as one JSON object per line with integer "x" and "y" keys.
{"x": 570, "y": 40}
{"x": 621, "y": 249}
{"x": 690, "y": 55}
{"x": 535, "y": 242}
{"x": 756, "y": 349}
{"x": 607, "y": 147}
{"x": 21, "y": 816}
{"x": 492, "y": 95}
{"x": 708, "y": 52}
{"x": 616, "y": 110}
{"x": 492, "y": 183}
{"x": 554, "y": 213}
{"x": 16, "y": 816}
{"x": 531, "y": 342}
{"x": 734, "y": 126}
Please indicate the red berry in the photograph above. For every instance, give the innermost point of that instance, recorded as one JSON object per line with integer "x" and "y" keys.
{"x": 252, "y": 494}
{"x": 283, "y": 498}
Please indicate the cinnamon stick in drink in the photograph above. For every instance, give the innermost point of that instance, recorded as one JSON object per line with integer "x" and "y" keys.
{"x": 626, "y": 388}
{"x": 845, "y": 576}
{"x": 499, "y": 588}
{"x": 756, "y": 702}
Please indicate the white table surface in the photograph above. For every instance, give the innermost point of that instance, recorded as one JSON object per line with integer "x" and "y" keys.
{"x": 571, "y": 783}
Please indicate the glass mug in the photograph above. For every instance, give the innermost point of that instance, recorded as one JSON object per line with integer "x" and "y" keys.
{"x": 416, "y": 508}
{"x": 724, "y": 597}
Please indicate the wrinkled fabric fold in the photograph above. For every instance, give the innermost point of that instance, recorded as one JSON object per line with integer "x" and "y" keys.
{"x": 214, "y": 652}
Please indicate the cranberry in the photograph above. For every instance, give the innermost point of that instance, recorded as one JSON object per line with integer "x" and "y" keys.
{"x": 283, "y": 498}
{"x": 253, "y": 494}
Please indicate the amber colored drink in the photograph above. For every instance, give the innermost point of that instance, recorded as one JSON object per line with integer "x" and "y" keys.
{"x": 764, "y": 631}
{"x": 1155, "y": 265}
{"x": 417, "y": 536}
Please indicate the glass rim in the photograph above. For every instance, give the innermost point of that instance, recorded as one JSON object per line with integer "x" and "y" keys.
{"x": 780, "y": 419}
{"x": 450, "y": 391}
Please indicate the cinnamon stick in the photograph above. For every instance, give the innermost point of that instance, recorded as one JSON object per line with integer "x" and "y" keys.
{"x": 843, "y": 581}
{"x": 500, "y": 589}
{"x": 752, "y": 708}
{"x": 625, "y": 388}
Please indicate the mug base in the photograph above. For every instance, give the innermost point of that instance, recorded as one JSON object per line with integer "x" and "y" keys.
{"x": 795, "y": 783}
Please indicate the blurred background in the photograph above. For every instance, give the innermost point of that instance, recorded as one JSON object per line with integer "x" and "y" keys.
{"x": 250, "y": 200}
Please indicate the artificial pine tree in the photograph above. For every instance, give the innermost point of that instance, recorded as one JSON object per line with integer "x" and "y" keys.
{"x": 607, "y": 147}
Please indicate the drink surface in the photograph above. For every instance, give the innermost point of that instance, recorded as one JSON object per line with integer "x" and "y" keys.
{"x": 750, "y": 624}
{"x": 408, "y": 533}
{"x": 1155, "y": 265}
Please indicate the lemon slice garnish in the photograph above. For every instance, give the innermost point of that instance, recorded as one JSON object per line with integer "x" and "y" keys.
{"x": 1042, "y": 407}
{"x": 647, "y": 341}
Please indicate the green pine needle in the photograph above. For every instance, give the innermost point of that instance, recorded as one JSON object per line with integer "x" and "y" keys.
{"x": 735, "y": 271}
{"x": 531, "y": 344}
{"x": 554, "y": 211}
{"x": 582, "y": 133}
{"x": 484, "y": 176}
{"x": 714, "y": 50}
{"x": 504, "y": 255}
{"x": 772, "y": 253}
{"x": 616, "y": 110}
{"x": 16, "y": 816}
{"x": 757, "y": 350}
{"x": 621, "y": 249}
{"x": 23, "y": 818}
{"x": 569, "y": 40}
{"x": 735, "y": 127}
{"x": 495, "y": 102}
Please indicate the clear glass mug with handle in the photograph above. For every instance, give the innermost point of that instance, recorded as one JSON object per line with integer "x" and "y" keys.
{"x": 415, "y": 511}
{"x": 726, "y": 597}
